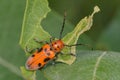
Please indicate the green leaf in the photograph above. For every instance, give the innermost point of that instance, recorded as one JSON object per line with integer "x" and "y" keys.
{"x": 72, "y": 37}
{"x": 35, "y": 11}
{"x": 28, "y": 75}
{"x": 90, "y": 65}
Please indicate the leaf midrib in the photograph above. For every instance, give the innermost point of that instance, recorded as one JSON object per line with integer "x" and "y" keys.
{"x": 97, "y": 65}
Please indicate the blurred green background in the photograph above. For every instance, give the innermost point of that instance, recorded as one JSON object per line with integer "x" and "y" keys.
{"x": 105, "y": 32}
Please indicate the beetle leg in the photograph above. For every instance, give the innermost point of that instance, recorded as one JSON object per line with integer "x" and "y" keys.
{"x": 40, "y": 42}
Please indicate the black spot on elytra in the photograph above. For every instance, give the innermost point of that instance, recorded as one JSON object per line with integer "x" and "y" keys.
{"x": 39, "y": 64}
{"x": 39, "y": 50}
{"x": 45, "y": 49}
{"x": 46, "y": 59}
{"x": 48, "y": 54}
{"x": 33, "y": 55}
{"x": 51, "y": 49}
{"x": 55, "y": 48}
{"x": 28, "y": 65}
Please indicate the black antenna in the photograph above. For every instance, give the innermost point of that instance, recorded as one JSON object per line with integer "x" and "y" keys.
{"x": 80, "y": 44}
{"x": 62, "y": 26}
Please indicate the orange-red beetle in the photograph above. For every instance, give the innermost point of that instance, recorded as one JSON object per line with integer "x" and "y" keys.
{"x": 48, "y": 52}
{"x": 44, "y": 54}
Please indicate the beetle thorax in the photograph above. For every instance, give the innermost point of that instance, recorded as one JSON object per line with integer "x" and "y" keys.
{"x": 57, "y": 45}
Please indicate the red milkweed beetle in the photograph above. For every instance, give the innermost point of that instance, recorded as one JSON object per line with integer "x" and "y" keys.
{"x": 47, "y": 52}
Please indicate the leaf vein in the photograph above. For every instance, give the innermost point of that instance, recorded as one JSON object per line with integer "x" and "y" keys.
{"x": 97, "y": 64}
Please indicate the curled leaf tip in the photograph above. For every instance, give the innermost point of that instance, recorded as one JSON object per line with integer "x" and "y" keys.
{"x": 96, "y": 9}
